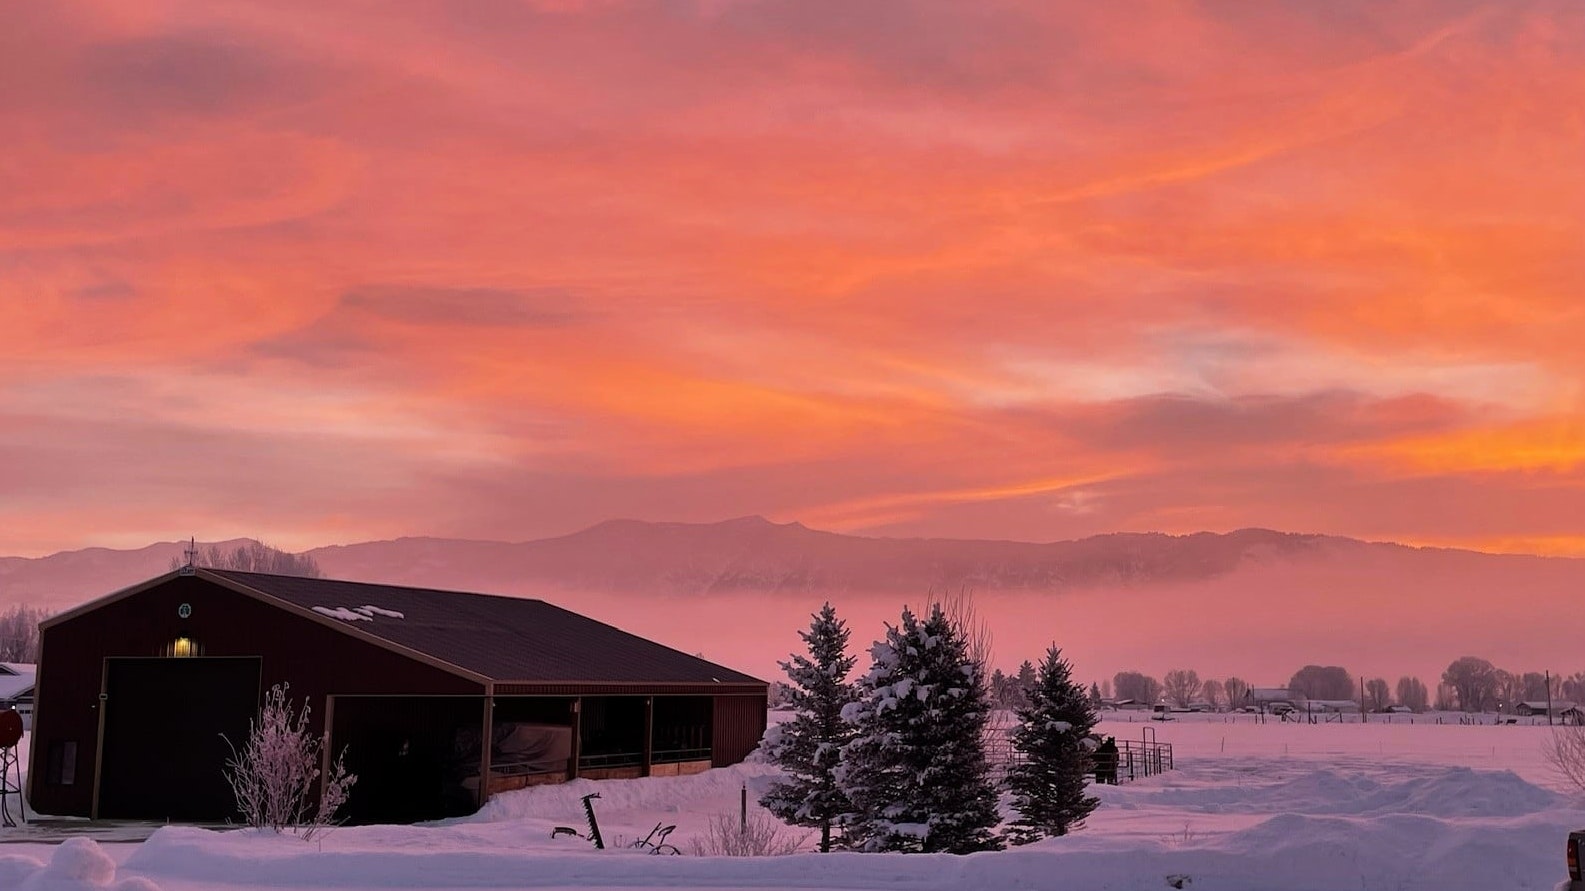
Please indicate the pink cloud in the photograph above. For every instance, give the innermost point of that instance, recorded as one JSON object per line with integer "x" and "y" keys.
{"x": 1028, "y": 270}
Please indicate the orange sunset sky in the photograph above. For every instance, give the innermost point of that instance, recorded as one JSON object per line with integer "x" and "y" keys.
{"x": 327, "y": 272}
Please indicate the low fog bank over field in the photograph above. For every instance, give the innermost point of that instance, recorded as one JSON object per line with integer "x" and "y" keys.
{"x": 1251, "y": 807}
{"x": 1252, "y": 603}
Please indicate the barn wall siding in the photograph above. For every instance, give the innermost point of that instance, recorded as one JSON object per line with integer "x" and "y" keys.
{"x": 738, "y": 725}
{"x": 315, "y": 660}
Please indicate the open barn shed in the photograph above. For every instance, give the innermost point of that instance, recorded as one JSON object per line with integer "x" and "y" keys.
{"x": 438, "y": 698}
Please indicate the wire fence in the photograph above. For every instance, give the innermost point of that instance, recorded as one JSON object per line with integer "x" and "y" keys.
{"x": 1133, "y": 759}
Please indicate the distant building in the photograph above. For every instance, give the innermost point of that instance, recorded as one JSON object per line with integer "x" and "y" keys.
{"x": 1271, "y": 699}
{"x": 438, "y": 698}
{"x": 1530, "y": 709}
{"x": 16, "y": 690}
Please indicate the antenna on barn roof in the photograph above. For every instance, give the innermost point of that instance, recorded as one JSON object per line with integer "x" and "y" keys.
{"x": 192, "y": 558}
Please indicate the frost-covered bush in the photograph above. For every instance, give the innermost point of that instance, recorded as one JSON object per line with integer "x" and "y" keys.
{"x": 808, "y": 747}
{"x": 274, "y": 774}
{"x": 916, "y": 771}
{"x": 758, "y": 836}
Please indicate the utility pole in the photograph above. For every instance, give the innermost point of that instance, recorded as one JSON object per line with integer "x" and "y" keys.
{"x": 1364, "y": 716}
{"x": 1549, "y": 697}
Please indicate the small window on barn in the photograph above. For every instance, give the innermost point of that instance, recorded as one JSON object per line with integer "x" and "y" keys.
{"x": 61, "y": 768}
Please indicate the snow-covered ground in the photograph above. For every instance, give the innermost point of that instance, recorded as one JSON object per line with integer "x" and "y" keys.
{"x": 1251, "y": 807}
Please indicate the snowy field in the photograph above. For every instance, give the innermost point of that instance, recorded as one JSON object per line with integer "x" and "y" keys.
{"x": 1251, "y": 807}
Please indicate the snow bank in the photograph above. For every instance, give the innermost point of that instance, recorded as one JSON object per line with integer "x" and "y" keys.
{"x": 1250, "y": 808}
{"x": 78, "y": 864}
{"x": 14, "y": 868}
{"x": 1427, "y": 791}
{"x": 1395, "y": 853}
{"x": 1462, "y": 792}
{"x": 711, "y": 789}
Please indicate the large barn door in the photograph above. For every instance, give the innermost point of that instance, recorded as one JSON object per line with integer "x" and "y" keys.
{"x": 163, "y": 756}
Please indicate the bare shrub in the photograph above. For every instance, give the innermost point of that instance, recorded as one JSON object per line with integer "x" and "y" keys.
{"x": 759, "y": 836}
{"x": 1565, "y": 752}
{"x": 274, "y": 774}
{"x": 960, "y": 607}
{"x": 1181, "y": 839}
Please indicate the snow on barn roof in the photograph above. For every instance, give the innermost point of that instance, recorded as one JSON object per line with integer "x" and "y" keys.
{"x": 16, "y": 680}
{"x": 501, "y": 638}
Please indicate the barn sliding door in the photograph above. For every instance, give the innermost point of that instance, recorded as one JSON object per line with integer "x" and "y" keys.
{"x": 163, "y": 752}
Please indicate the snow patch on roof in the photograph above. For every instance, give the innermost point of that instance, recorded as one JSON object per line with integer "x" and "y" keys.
{"x": 365, "y": 613}
{"x": 342, "y": 613}
{"x": 380, "y": 611}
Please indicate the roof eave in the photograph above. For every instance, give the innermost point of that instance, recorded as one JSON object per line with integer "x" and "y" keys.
{"x": 108, "y": 599}
{"x": 651, "y": 681}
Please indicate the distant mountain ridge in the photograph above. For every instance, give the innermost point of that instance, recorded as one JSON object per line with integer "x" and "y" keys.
{"x": 751, "y": 554}
{"x": 1253, "y": 602}
{"x": 748, "y": 554}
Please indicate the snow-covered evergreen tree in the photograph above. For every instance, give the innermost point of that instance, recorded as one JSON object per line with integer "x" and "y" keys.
{"x": 916, "y": 773}
{"x": 809, "y": 747}
{"x": 1048, "y": 786}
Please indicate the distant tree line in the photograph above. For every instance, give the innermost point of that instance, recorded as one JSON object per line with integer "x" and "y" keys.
{"x": 1184, "y": 688}
{"x": 1469, "y": 684}
{"x": 1472, "y": 684}
{"x": 19, "y": 633}
{"x": 254, "y": 556}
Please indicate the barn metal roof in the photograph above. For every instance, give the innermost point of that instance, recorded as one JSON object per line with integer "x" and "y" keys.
{"x": 505, "y": 639}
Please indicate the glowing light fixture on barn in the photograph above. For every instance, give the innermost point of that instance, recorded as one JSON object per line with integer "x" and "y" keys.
{"x": 184, "y": 646}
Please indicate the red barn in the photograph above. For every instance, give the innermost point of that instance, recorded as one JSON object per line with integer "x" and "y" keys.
{"x": 438, "y": 698}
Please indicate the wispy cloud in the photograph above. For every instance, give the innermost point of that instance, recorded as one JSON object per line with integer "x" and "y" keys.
{"x": 1012, "y": 269}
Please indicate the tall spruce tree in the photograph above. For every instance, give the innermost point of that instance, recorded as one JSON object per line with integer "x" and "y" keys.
{"x": 809, "y": 747}
{"x": 1048, "y": 785}
{"x": 916, "y": 772}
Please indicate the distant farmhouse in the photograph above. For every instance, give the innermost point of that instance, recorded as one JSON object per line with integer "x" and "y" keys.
{"x": 1280, "y": 701}
{"x": 1274, "y": 700}
{"x": 439, "y": 698}
{"x": 16, "y": 690}
{"x": 1329, "y": 706}
{"x": 1560, "y": 709}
